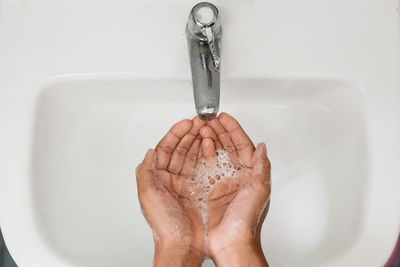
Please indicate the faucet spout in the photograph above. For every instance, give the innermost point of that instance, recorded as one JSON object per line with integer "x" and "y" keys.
{"x": 203, "y": 33}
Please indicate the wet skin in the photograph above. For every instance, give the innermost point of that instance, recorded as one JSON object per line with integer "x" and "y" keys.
{"x": 236, "y": 211}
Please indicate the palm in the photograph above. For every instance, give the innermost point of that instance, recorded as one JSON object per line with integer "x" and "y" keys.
{"x": 174, "y": 184}
{"x": 178, "y": 202}
{"x": 241, "y": 220}
{"x": 177, "y": 187}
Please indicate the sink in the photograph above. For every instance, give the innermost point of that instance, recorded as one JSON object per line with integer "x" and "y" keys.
{"x": 82, "y": 99}
{"x": 89, "y": 135}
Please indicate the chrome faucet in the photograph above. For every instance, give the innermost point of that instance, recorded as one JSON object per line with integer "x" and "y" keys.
{"x": 203, "y": 33}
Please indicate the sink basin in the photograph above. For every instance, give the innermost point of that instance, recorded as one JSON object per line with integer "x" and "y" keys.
{"x": 82, "y": 99}
{"x": 89, "y": 135}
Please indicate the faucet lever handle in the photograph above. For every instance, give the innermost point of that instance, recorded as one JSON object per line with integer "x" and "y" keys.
{"x": 213, "y": 49}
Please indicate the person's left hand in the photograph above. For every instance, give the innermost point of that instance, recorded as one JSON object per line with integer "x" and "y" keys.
{"x": 237, "y": 211}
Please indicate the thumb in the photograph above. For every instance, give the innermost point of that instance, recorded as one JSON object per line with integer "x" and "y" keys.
{"x": 145, "y": 171}
{"x": 262, "y": 167}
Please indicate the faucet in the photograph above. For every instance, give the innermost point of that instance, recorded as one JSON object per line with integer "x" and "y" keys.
{"x": 203, "y": 33}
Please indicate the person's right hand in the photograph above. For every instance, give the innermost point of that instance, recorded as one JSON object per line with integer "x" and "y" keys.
{"x": 235, "y": 226}
{"x": 161, "y": 179}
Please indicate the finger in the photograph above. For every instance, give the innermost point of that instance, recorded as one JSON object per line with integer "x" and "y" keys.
{"x": 208, "y": 132}
{"x": 208, "y": 148}
{"x": 200, "y": 154}
{"x": 240, "y": 139}
{"x": 225, "y": 139}
{"x": 191, "y": 158}
{"x": 145, "y": 172}
{"x": 262, "y": 169}
{"x": 178, "y": 156}
{"x": 167, "y": 145}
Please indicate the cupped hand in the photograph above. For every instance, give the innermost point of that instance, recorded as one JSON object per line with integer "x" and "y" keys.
{"x": 161, "y": 178}
{"x": 235, "y": 210}
{"x": 236, "y": 213}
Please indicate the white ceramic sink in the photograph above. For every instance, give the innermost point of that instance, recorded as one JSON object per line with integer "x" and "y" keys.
{"x": 87, "y": 86}
{"x": 89, "y": 137}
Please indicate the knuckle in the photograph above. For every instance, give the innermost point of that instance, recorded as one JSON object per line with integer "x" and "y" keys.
{"x": 230, "y": 148}
{"x": 191, "y": 156}
{"x": 181, "y": 150}
{"x": 167, "y": 149}
{"x": 223, "y": 135}
{"x": 243, "y": 146}
{"x": 172, "y": 168}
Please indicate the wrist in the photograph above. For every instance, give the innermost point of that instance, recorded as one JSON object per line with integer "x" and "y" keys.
{"x": 176, "y": 255}
{"x": 243, "y": 254}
